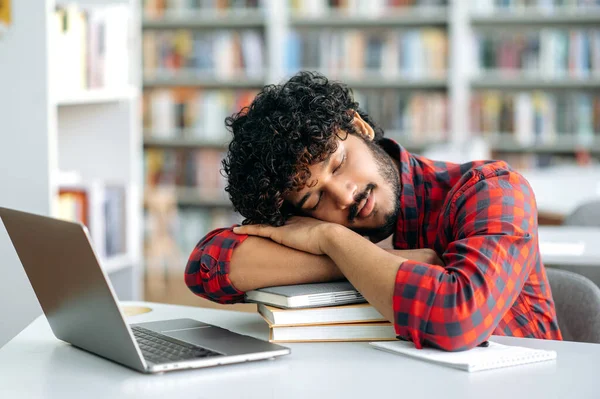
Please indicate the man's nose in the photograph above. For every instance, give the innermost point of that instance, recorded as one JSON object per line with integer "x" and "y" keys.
{"x": 343, "y": 192}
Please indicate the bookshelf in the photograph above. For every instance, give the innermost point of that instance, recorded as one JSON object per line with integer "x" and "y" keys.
{"x": 543, "y": 76}
{"x": 60, "y": 133}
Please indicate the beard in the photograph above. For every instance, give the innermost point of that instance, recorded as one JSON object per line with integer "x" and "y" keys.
{"x": 389, "y": 173}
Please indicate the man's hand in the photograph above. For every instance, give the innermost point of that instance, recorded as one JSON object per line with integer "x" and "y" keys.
{"x": 301, "y": 233}
{"x": 424, "y": 255}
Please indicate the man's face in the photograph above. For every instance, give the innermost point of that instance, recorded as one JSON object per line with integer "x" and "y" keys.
{"x": 358, "y": 186}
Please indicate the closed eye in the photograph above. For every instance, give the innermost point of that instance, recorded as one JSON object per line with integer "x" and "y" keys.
{"x": 340, "y": 165}
{"x": 314, "y": 208}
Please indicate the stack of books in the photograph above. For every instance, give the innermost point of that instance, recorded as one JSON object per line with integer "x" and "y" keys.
{"x": 322, "y": 312}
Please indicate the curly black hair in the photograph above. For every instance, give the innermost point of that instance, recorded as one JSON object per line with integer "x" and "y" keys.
{"x": 285, "y": 129}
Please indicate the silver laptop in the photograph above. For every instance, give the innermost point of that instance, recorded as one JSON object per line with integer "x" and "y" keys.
{"x": 80, "y": 305}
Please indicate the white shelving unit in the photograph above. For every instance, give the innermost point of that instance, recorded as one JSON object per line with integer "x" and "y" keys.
{"x": 44, "y": 131}
{"x": 99, "y": 137}
{"x": 97, "y": 96}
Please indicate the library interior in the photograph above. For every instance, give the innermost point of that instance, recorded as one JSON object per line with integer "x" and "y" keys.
{"x": 112, "y": 116}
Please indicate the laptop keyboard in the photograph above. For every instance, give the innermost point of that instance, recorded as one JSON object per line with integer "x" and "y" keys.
{"x": 158, "y": 348}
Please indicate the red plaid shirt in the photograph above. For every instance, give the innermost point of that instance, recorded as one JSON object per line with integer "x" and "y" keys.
{"x": 481, "y": 218}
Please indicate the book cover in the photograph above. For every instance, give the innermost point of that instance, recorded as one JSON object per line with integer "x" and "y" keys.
{"x": 307, "y": 295}
{"x": 353, "y": 332}
{"x": 361, "y": 313}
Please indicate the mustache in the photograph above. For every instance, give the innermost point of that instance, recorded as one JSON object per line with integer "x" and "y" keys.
{"x": 353, "y": 211}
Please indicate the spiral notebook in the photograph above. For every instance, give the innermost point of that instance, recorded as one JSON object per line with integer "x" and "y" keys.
{"x": 477, "y": 359}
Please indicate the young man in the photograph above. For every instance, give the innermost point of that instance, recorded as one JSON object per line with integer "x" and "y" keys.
{"x": 313, "y": 176}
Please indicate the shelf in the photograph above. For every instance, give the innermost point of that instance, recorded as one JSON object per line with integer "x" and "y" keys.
{"x": 382, "y": 83}
{"x": 96, "y": 96}
{"x": 563, "y": 144}
{"x": 183, "y": 143}
{"x": 534, "y": 17}
{"x": 376, "y": 80}
{"x": 207, "y": 20}
{"x": 195, "y": 197}
{"x": 366, "y": 82}
{"x": 411, "y": 18}
{"x": 495, "y": 81}
{"x": 86, "y": 3}
{"x": 191, "y": 81}
{"x": 116, "y": 263}
{"x": 194, "y": 143}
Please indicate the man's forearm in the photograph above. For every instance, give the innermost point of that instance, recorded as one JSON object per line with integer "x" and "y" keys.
{"x": 260, "y": 262}
{"x": 371, "y": 269}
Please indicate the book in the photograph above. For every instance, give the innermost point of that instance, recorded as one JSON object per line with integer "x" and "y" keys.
{"x": 307, "y": 295}
{"x": 333, "y": 333}
{"x": 477, "y": 359}
{"x": 360, "y": 313}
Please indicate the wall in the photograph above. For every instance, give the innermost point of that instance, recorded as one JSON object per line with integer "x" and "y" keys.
{"x": 26, "y": 133}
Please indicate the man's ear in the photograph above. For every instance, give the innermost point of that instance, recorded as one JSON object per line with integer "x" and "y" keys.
{"x": 362, "y": 127}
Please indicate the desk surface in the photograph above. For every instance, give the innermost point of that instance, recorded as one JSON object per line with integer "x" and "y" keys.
{"x": 561, "y": 189}
{"x": 35, "y": 364}
{"x": 570, "y": 245}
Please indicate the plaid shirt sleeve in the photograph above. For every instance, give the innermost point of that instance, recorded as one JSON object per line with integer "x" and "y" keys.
{"x": 491, "y": 225}
{"x": 207, "y": 269}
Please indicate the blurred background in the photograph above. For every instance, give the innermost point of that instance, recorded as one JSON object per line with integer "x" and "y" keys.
{"x": 125, "y": 101}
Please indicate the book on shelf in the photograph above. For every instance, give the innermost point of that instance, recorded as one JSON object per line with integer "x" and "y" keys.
{"x": 171, "y": 231}
{"x": 344, "y": 314}
{"x": 101, "y": 207}
{"x": 198, "y": 170}
{"x": 536, "y": 7}
{"x": 73, "y": 205}
{"x": 115, "y": 220}
{"x": 306, "y": 295}
{"x": 354, "y": 53}
{"x": 333, "y": 333}
{"x": 547, "y": 53}
{"x": 90, "y": 48}
{"x": 371, "y": 8}
{"x": 191, "y": 113}
{"x": 415, "y": 117}
{"x": 156, "y": 9}
{"x": 530, "y": 117}
{"x": 193, "y": 55}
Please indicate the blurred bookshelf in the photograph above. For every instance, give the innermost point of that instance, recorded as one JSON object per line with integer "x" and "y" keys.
{"x": 189, "y": 80}
{"x": 522, "y": 74}
{"x": 153, "y": 142}
{"x": 429, "y": 17}
{"x": 536, "y": 79}
{"x": 95, "y": 86}
{"x": 495, "y": 81}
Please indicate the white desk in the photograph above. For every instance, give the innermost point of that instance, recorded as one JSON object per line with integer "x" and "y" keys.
{"x": 570, "y": 246}
{"x": 561, "y": 189}
{"x": 36, "y": 365}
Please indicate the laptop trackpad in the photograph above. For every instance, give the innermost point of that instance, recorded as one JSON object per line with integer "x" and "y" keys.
{"x": 197, "y": 335}
{"x": 208, "y": 336}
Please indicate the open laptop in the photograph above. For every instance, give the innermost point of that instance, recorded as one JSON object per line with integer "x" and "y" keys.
{"x": 79, "y": 303}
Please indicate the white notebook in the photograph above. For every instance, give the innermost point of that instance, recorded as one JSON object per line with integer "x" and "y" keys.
{"x": 477, "y": 359}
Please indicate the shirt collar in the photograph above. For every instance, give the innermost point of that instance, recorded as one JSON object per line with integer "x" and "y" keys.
{"x": 412, "y": 189}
